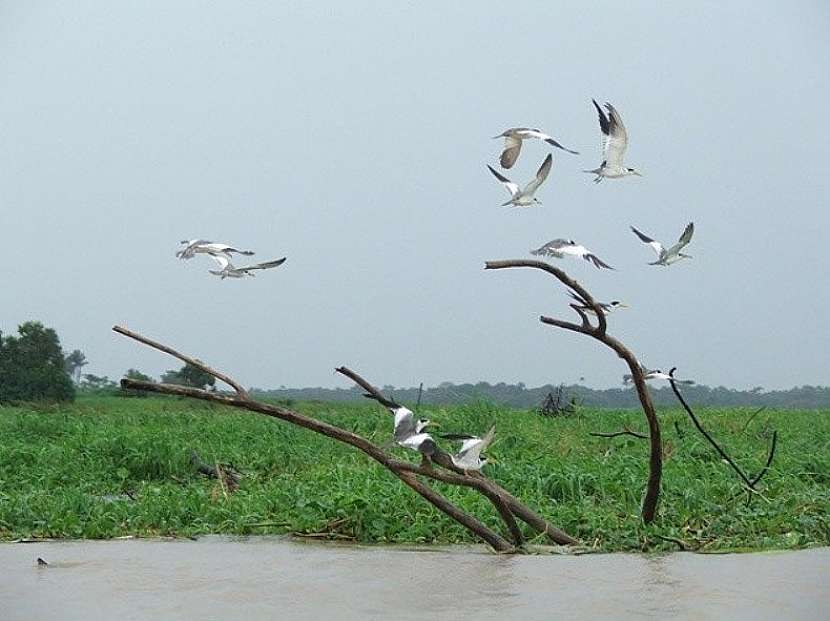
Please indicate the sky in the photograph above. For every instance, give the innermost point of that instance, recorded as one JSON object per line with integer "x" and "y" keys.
{"x": 353, "y": 138}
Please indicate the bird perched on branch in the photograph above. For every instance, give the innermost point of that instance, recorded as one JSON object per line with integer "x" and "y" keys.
{"x": 513, "y": 138}
{"x": 650, "y": 374}
{"x": 524, "y": 198}
{"x": 560, "y": 248}
{"x": 605, "y": 307}
{"x": 614, "y": 144}
{"x": 228, "y": 270}
{"x": 673, "y": 254}
{"x": 470, "y": 456}
{"x": 408, "y": 431}
{"x": 196, "y": 246}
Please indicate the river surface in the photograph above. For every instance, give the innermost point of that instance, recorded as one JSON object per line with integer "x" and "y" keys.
{"x": 268, "y": 578}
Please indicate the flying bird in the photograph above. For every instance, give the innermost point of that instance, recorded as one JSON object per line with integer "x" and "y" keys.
{"x": 194, "y": 246}
{"x": 228, "y": 270}
{"x": 524, "y": 198}
{"x": 650, "y": 374}
{"x": 605, "y": 307}
{"x": 559, "y": 248}
{"x": 513, "y": 138}
{"x": 673, "y": 254}
{"x": 614, "y": 144}
{"x": 470, "y": 456}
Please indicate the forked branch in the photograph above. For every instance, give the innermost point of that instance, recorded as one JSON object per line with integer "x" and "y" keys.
{"x": 506, "y": 505}
{"x": 750, "y": 483}
{"x": 599, "y": 332}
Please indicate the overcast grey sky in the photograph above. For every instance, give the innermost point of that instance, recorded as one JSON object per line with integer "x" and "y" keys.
{"x": 353, "y": 137}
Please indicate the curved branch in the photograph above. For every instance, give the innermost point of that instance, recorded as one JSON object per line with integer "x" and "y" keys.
{"x": 704, "y": 433}
{"x": 770, "y": 457}
{"x": 652, "y": 495}
{"x": 186, "y": 359}
{"x": 562, "y": 277}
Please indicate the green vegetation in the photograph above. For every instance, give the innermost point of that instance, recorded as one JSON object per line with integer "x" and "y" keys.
{"x": 108, "y": 466}
{"x": 32, "y": 366}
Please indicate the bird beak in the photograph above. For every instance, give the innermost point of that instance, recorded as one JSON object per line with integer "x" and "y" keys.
{"x": 639, "y": 174}
{"x": 624, "y": 305}
{"x": 431, "y": 424}
{"x": 499, "y": 136}
{"x": 490, "y": 460}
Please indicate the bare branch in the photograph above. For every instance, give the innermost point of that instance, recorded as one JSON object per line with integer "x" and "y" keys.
{"x": 506, "y": 505}
{"x": 365, "y": 385}
{"x": 625, "y": 432}
{"x": 704, "y": 433}
{"x": 770, "y": 457}
{"x": 585, "y": 323}
{"x": 561, "y": 276}
{"x": 649, "y": 508}
{"x": 753, "y": 415}
{"x": 186, "y": 359}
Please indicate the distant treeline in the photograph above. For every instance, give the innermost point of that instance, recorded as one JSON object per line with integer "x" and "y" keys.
{"x": 519, "y": 396}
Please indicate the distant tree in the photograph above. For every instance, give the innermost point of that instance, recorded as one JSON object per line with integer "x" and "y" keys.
{"x": 32, "y": 366}
{"x": 99, "y": 384}
{"x": 74, "y": 362}
{"x": 188, "y": 375}
{"x": 135, "y": 374}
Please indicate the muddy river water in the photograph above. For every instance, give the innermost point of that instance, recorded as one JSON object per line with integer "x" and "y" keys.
{"x": 265, "y": 578}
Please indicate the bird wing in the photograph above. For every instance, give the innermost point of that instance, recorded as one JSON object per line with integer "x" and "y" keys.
{"x": 512, "y": 148}
{"x": 598, "y": 263}
{"x": 475, "y": 446}
{"x": 604, "y": 127}
{"x": 617, "y": 141}
{"x": 263, "y": 266}
{"x": 684, "y": 240}
{"x": 553, "y": 248}
{"x": 404, "y": 423}
{"x": 222, "y": 261}
{"x": 457, "y": 436}
{"x": 655, "y": 245}
{"x": 513, "y": 188}
{"x": 541, "y": 175}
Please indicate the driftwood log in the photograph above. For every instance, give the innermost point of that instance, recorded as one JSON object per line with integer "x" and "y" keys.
{"x": 439, "y": 468}
{"x": 599, "y": 332}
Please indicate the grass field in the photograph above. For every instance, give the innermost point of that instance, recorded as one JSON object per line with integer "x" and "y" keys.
{"x": 65, "y": 471}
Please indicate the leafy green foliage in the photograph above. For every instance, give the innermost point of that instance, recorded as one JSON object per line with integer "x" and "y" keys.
{"x": 189, "y": 375}
{"x": 32, "y": 366}
{"x": 105, "y": 467}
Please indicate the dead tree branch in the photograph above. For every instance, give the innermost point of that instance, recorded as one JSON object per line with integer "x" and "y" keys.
{"x": 186, "y": 359}
{"x": 599, "y": 332}
{"x": 506, "y": 505}
{"x": 749, "y": 483}
{"x": 625, "y": 432}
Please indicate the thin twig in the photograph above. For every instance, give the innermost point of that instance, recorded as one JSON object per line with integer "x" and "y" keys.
{"x": 624, "y": 432}
{"x": 186, "y": 359}
{"x": 770, "y": 457}
{"x": 753, "y": 415}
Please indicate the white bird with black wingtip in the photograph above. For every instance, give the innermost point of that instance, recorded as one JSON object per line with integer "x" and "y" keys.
{"x": 203, "y": 246}
{"x": 524, "y": 197}
{"x": 228, "y": 270}
{"x": 673, "y": 254}
{"x": 408, "y": 431}
{"x": 513, "y": 138}
{"x": 470, "y": 457}
{"x": 614, "y": 145}
{"x": 605, "y": 307}
{"x": 650, "y": 374}
{"x": 561, "y": 248}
